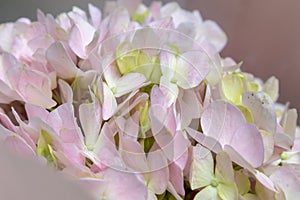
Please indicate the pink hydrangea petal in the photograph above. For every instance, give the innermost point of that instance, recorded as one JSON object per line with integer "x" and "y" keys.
{"x": 65, "y": 91}
{"x": 19, "y": 145}
{"x": 109, "y": 105}
{"x": 61, "y": 61}
{"x": 119, "y": 20}
{"x": 130, "y": 126}
{"x": 207, "y": 141}
{"x": 95, "y": 14}
{"x": 33, "y": 86}
{"x": 190, "y": 107}
{"x": 105, "y": 149}
{"x": 248, "y": 142}
{"x": 131, "y": 101}
{"x": 6, "y": 36}
{"x": 123, "y": 185}
{"x": 34, "y": 111}
{"x": 76, "y": 43}
{"x": 6, "y": 122}
{"x": 159, "y": 173}
{"x": 215, "y": 34}
{"x": 220, "y": 120}
{"x": 133, "y": 154}
{"x": 287, "y": 178}
{"x": 176, "y": 178}
{"x": 64, "y": 123}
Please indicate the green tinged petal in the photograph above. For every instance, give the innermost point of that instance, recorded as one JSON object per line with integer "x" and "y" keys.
{"x": 214, "y": 76}
{"x": 126, "y": 57}
{"x": 233, "y": 87}
{"x": 227, "y": 191}
{"x": 44, "y": 147}
{"x": 226, "y": 188}
{"x": 252, "y": 86}
{"x": 268, "y": 140}
{"x": 140, "y": 17}
{"x": 247, "y": 114}
{"x": 271, "y": 87}
{"x": 242, "y": 182}
{"x": 201, "y": 172}
{"x": 134, "y": 60}
{"x": 174, "y": 49}
{"x": 208, "y": 193}
{"x": 143, "y": 117}
{"x": 250, "y": 196}
{"x": 149, "y": 67}
{"x": 224, "y": 171}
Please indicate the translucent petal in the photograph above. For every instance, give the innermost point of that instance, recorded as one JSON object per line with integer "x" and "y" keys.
{"x": 208, "y": 193}
{"x": 268, "y": 141}
{"x": 287, "y": 178}
{"x": 95, "y": 14}
{"x": 44, "y": 147}
{"x": 271, "y": 87}
{"x": 65, "y": 90}
{"x": 215, "y": 34}
{"x": 227, "y": 191}
{"x": 247, "y": 114}
{"x": 202, "y": 167}
{"x": 61, "y": 61}
{"x": 192, "y": 68}
{"x": 289, "y": 122}
{"x": 109, "y": 104}
{"x": 220, "y": 120}
{"x": 262, "y": 109}
{"x": 129, "y": 82}
{"x": 159, "y": 172}
{"x": 232, "y": 87}
{"x": 124, "y": 186}
{"x": 90, "y": 120}
{"x": 224, "y": 170}
{"x": 248, "y": 142}
{"x": 18, "y": 144}
{"x": 242, "y": 182}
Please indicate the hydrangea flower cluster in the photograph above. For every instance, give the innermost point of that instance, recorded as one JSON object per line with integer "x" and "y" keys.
{"x": 135, "y": 102}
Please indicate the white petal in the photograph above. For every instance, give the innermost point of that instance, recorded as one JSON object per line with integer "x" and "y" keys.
{"x": 192, "y": 68}
{"x": 201, "y": 173}
{"x": 289, "y": 122}
{"x": 90, "y": 120}
{"x": 271, "y": 87}
{"x": 215, "y": 34}
{"x": 262, "y": 109}
{"x": 224, "y": 170}
{"x": 109, "y": 105}
{"x": 129, "y": 82}
{"x": 208, "y": 193}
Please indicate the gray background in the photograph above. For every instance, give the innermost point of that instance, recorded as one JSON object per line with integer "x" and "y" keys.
{"x": 265, "y": 34}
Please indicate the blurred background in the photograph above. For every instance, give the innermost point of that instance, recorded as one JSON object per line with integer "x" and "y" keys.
{"x": 265, "y": 34}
